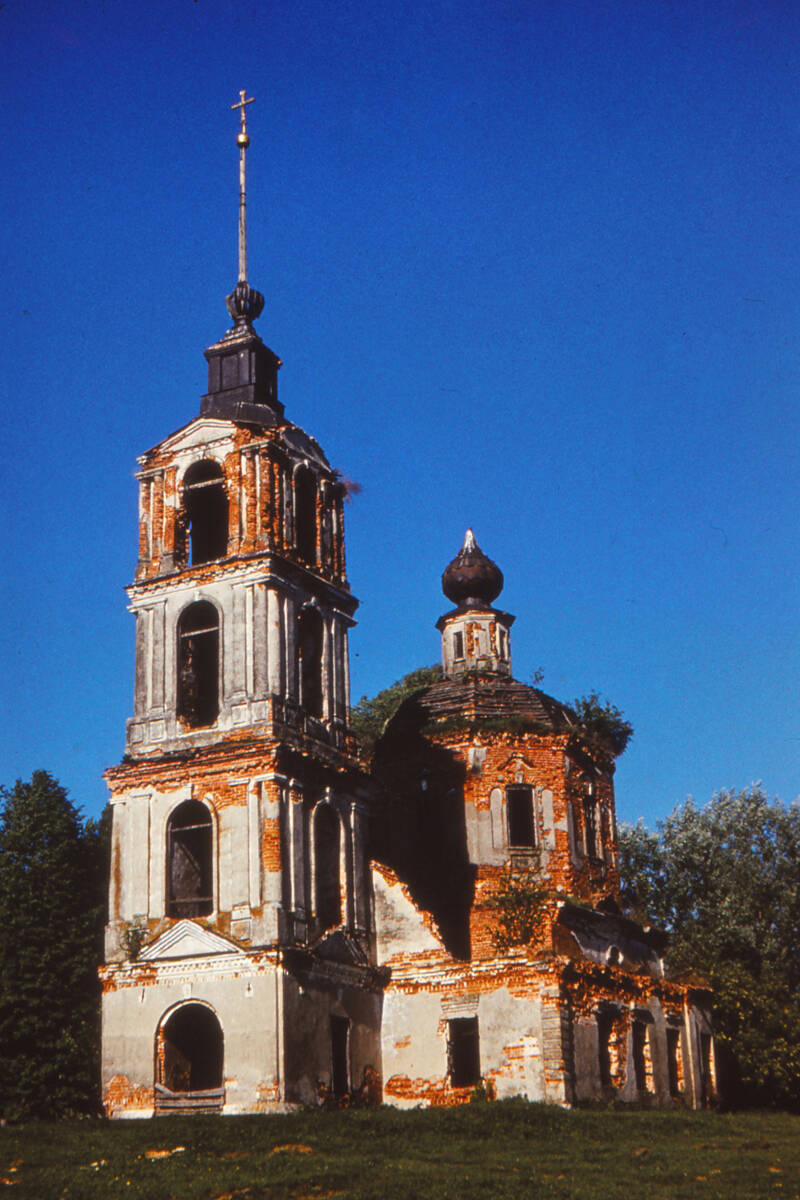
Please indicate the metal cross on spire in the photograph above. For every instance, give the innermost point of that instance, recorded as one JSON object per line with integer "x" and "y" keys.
{"x": 242, "y": 141}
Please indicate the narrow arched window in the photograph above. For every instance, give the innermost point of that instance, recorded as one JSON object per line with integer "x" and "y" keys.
{"x": 189, "y": 858}
{"x": 327, "y": 883}
{"x": 198, "y": 664}
{"x": 305, "y": 514}
{"x": 205, "y": 507}
{"x": 309, "y": 660}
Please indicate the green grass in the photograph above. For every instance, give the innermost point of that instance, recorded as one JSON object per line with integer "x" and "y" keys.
{"x": 480, "y": 1151}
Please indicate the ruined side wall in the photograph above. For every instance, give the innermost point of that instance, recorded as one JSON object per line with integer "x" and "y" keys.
{"x": 672, "y": 1026}
{"x": 524, "y": 1043}
{"x": 309, "y": 1002}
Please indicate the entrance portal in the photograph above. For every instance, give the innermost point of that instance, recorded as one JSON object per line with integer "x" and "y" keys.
{"x": 189, "y": 1058}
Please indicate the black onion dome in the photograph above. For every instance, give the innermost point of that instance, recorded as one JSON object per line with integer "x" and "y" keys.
{"x": 472, "y": 578}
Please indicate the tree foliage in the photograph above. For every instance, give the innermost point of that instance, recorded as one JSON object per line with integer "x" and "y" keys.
{"x": 725, "y": 880}
{"x": 369, "y": 717}
{"x": 53, "y": 868}
{"x": 602, "y": 721}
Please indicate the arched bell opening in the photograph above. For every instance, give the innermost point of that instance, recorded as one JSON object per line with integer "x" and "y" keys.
{"x": 309, "y": 654}
{"x": 205, "y": 511}
{"x": 198, "y": 664}
{"x": 305, "y": 514}
{"x": 327, "y": 868}
{"x": 190, "y": 875}
{"x": 189, "y": 1060}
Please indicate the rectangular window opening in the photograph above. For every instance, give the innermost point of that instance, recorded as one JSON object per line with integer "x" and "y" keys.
{"x": 458, "y": 645}
{"x": 521, "y": 827}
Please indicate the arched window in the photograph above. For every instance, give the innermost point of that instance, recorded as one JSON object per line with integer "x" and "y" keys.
{"x": 190, "y": 1054}
{"x": 305, "y": 514}
{"x": 309, "y": 660}
{"x": 198, "y": 664}
{"x": 189, "y": 861}
{"x": 327, "y": 884}
{"x": 205, "y": 505}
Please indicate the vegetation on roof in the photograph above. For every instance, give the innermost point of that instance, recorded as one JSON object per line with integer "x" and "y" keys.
{"x": 369, "y": 717}
{"x": 602, "y": 722}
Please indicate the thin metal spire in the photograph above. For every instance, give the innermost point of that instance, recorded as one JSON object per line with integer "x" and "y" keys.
{"x": 242, "y": 141}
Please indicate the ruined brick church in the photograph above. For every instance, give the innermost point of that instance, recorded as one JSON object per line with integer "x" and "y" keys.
{"x": 292, "y": 924}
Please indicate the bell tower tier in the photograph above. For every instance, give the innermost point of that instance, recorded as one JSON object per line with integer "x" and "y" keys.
{"x": 241, "y": 600}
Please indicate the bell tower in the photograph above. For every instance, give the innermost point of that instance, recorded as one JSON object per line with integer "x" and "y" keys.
{"x": 239, "y": 907}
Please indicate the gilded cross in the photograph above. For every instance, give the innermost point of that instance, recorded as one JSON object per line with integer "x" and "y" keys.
{"x": 241, "y": 104}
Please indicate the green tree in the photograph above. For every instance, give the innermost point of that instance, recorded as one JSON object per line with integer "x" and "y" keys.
{"x": 603, "y": 722}
{"x": 725, "y": 880}
{"x": 369, "y": 717}
{"x": 52, "y": 905}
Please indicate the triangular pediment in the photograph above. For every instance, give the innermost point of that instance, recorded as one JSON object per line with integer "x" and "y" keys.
{"x": 202, "y": 431}
{"x": 338, "y": 946}
{"x": 517, "y": 761}
{"x": 187, "y": 939}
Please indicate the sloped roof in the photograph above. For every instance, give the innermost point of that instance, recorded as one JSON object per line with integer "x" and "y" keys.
{"x": 484, "y": 698}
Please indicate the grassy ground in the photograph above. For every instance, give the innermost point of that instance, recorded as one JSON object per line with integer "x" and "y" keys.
{"x": 479, "y": 1151}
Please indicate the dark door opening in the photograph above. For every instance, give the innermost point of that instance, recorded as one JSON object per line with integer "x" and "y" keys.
{"x": 463, "y": 1052}
{"x": 191, "y": 1050}
{"x": 340, "y": 1056}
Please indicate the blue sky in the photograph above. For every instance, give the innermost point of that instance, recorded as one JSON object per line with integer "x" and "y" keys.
{"x": 531, "y": 267}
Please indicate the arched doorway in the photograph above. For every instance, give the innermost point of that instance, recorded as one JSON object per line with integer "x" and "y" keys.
{"x": 189, "y": 1061}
